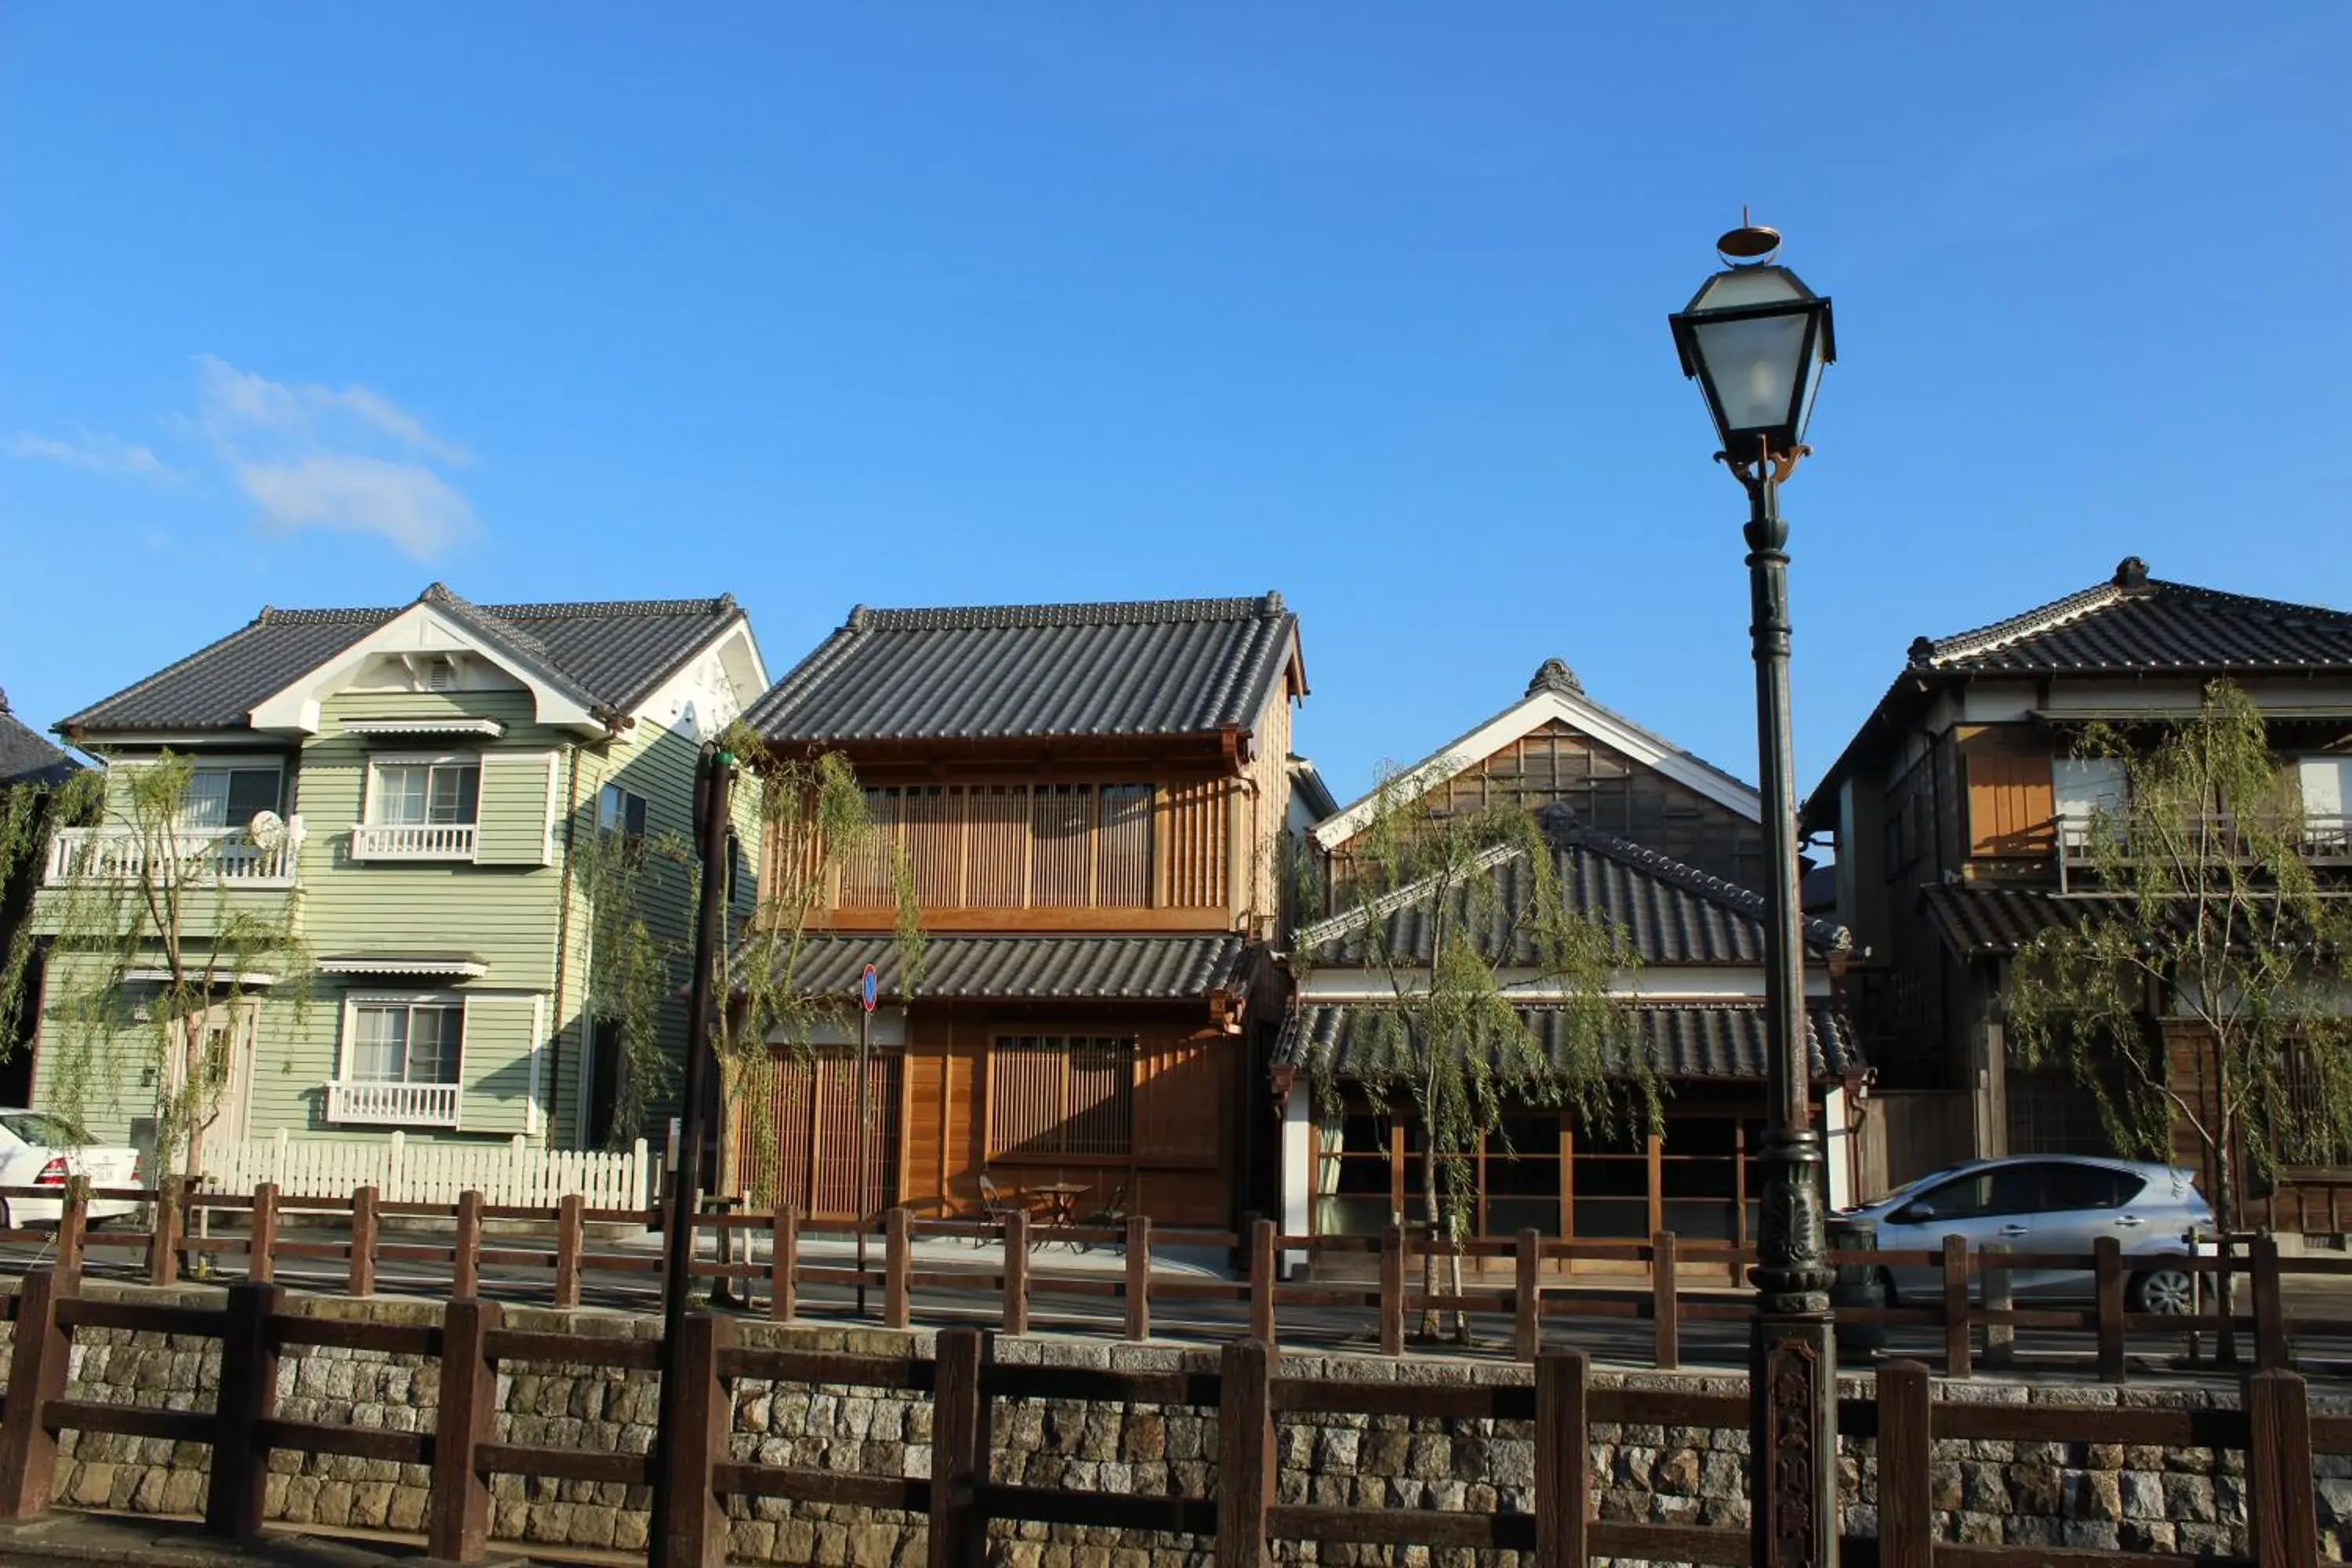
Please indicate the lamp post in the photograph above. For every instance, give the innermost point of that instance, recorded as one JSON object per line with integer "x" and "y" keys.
{"x": 1756, "y": 339}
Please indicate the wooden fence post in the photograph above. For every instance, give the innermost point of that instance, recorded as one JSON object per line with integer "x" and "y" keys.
{"x": 1563, "y": 1460}
{"x": 37, "y": 1364}
{"x": 2000, "y": 1338}
{"x": 163, "y": 1251}
{"x": 73, "y": 1223}
{"x": 465, "y": 1271}
{"x": 1261, "y": 1280}
{"x": 2270, "y": 1309}
{"x": 2108, "y": 1253}
{"x": 959, "y": 1448}
{"x": 246, "y": 1395}
{"x": 457, "y": 1518}
{"x": 571, "y": 1230}
{"x": 1956, "y": 1307}
{"x": 1665, "y": 1307}
{"x": 1016, "y": 1272}
{"x": 1527, "y": 1298}
{"x": 363, "y": 1231}
{"x": 896, "y": 1254}
{"x": 2282, "y": 1514}
{"x": 696, "y": 1514}
{"x": 1392, "y": 1290}
{"x": 261, "y": 1237}
{"x": 785, "y": 1265}
{"x": 1906, "y": 1520}
{"x": 1246, "y": 1453}
{"x": 1138, "y": 1276}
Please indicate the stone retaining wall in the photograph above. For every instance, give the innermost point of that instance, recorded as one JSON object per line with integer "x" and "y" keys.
{"x": 2079, "y": 1495}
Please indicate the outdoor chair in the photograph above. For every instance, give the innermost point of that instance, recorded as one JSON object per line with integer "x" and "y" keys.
{"x": 1112, "y": 1216}
{"x": 995, "y": 1209}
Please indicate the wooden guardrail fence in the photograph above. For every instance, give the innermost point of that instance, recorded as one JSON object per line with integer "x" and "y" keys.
{"x": 1970, "y": 1305}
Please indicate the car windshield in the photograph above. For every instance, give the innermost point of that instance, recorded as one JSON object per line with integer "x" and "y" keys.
{"x": 1915, "y": 1183}
{"x": 43, "y": 1131}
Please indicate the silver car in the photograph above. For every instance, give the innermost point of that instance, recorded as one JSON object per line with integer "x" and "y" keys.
{"x": 2040, "y": 1203}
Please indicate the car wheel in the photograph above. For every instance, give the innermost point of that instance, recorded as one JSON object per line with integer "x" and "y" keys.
{"x": 2166, "y": 1291}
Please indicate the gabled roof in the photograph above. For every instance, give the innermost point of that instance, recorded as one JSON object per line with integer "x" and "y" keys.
{"x": 1553, "y": 695}
{"x": 1686, "y": 1042}
{"x": 1671, "y": 913}
{"x": 26, "y": 758}
{"x": 1033, "y": 968}
{"x": 1165, "y": 667}
{"x": 608, "y": 656}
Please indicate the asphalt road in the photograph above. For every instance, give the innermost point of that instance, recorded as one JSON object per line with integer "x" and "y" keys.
{"x": 1624, "y": 1342}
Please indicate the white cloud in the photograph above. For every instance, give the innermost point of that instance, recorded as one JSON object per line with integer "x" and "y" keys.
{"x": 349, "y": 459}
{"x": 93, "y": 450}
{"x": 406, "y": 504}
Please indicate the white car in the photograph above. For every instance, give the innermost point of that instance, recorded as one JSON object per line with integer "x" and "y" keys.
{"x": 40, "y": 1149}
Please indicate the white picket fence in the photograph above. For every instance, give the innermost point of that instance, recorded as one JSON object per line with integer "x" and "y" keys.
{"x": 434, "y": 1173}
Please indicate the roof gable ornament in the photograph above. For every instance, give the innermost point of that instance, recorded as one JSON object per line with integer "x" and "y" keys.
{"x": 1553, "y": 675}
{"x": 2131, "y": 573}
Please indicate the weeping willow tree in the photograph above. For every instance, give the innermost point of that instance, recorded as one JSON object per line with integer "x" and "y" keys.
{"x": 1441, "y": 906}
{"x": 2210, "y": 914}
{"x": 153, "y": 954}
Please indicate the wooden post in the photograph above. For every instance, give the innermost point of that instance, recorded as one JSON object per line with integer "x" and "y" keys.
{"x": 1261, "y": 1280}
{"x": 261, "y": 1239}
{"x": 457, "y": 1518}
{"x": 696, "y": 1513}
{"x": 1246, "y": 1453}
{"x": 1527, "y": 1298}
{"x": 37, "y": 1364}
{"x": 2282, "y": 1516}
{"x": 1392, "y": 1290}
{"x": 1956, "y": 1307}
{"x": 1138, "y": 1276}
{"x": 465, "y": 1265}
{"x": 785, "y": 1265}
{"x": 247, "y": 1395}
{"x": 1665, "y": 1307}
{"x": 2000, "y": 1338}
{"x": 2270, "y": 1309}
{"x": 959, "y": 1448}
{"x": 1906, "y": 1530}
{"x": 1563, "y": 1460}
{"x": 1016, "y": 1272}
{"x": 570, "y": 1231}
{"x": 2107, "y": 1252}
{"x": 896, "y": 1261}
{"x": 163, "y": 1252}
{"x": 73, "y": 1223}
{"x": 364, "y": 1230}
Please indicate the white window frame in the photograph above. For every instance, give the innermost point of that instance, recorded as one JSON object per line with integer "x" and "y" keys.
{"x": 624, "y": 795}
{"x": 2097, "y": 781}
{"x": 348, "y": 1046}
{"x": 377, "y": 760}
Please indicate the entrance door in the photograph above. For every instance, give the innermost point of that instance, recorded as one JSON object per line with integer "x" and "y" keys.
{"x": 809, "y": 1125}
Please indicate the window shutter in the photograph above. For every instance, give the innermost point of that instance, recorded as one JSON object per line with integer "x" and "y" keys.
{"x": 500, "y": 1068}
{"x": 2009, "y": 806}
{"x": 514, "y": 792}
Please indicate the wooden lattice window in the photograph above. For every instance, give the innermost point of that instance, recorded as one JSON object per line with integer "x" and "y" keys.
{"x": 1069, "y": 1095}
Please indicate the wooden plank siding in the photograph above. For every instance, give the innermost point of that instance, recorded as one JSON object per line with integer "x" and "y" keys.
{"x": 2010, "y": 800}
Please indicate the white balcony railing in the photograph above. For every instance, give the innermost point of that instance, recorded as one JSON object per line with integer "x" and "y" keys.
{"x": 2326, "y": 839}
{"x": 413, "y": 841}
{"x": 392, "y": 1104}
{"x": 220, "y": 856}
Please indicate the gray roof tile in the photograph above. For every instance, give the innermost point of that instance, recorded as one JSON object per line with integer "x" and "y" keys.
{"x": 612, "y": 654}
{"x": 24, "y": 757}
{"x": 1169, "y": 667}
{"x": 1035, "y": 968}
{"x": 1683, "y": 1041}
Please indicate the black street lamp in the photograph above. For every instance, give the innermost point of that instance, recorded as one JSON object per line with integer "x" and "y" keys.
{"x": 1756, "y": 339}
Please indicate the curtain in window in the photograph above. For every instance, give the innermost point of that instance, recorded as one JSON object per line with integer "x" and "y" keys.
{"x": 399, "y": 1043}
{"x": 400, "y": 794}
{"x": 380, "y": 1050}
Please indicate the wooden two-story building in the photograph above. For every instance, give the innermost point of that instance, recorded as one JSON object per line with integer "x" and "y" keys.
{"x": 1090, "y": 798}
{"x": 1961, "y": 819}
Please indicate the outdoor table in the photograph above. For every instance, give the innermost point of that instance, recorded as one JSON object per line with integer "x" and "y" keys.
{"x": 1062, "y": 1204}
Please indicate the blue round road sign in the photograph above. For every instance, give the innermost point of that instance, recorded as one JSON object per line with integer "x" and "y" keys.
{"x": 868, "y": 987}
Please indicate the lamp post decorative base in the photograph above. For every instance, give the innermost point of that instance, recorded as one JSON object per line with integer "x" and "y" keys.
{"x": 1792, "y": 1469}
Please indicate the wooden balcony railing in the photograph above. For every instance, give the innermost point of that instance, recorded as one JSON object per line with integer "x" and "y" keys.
{"x": 392, "y": 1104}
{"x": 413, "y": 841}
{"x": 220, "y": 856}
{"x": 2324, "y": 839}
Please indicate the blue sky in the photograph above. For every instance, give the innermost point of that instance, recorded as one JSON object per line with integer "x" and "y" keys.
{"x": 941, "y": 304}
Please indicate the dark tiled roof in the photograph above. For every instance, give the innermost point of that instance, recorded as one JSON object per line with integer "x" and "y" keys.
{"x": 1169, "y": 667}
{"x": 24, "y": 757}
{"x": 1978, "y": 921}
{"x": 1037, "y": 968}
{"x": 2135, "y": 623}
{"x": 1670, "y": 912}
{"x": 610, "y": 655}
{"x": 1680, "y": 1041}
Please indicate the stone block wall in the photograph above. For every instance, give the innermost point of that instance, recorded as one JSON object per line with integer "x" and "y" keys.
{"x": 2075, "y": 1495}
